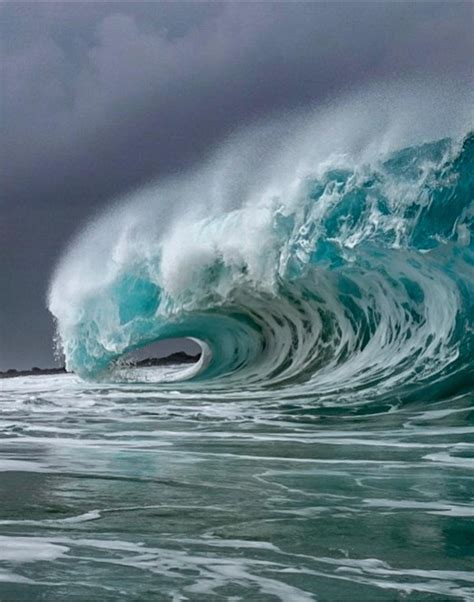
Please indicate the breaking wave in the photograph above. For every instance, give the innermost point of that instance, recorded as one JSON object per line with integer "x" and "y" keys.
{"x": 326, "y": 254}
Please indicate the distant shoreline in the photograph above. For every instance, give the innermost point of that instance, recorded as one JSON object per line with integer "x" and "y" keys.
{"x": 175, "y": 358}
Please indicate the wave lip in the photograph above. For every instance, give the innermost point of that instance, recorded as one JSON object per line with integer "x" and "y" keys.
{"x": 362, "y": 282}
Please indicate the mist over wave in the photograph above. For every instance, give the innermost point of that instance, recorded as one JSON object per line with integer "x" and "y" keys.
{"x": 328, "y": 251}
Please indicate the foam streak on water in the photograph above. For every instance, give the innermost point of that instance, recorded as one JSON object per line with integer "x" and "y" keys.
{"x": 125, "y": 492}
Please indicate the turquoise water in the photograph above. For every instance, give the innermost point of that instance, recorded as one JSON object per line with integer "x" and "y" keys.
{"x": 359, "y": 282}
{"x": 129, "y": 492}
{"x": 322, "y": 447}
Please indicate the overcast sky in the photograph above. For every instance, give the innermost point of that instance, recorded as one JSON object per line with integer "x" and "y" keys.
{"x": 99, "y": 98}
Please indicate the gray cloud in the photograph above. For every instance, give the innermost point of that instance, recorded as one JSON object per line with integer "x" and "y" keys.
{"x": 98, "y": 98}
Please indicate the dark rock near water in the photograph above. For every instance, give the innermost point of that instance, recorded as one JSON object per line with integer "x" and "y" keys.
{"x": 175, "y": 358}
{"x": 33, "y": 372}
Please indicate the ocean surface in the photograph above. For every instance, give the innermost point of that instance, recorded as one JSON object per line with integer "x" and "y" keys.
{"x": 135, "y": 493}
{"x": 322, "y": 448}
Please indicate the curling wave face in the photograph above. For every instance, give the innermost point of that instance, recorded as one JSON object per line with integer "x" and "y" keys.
{"x": 354, "y": 279}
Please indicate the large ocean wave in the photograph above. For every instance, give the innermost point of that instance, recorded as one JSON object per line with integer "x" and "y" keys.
{"x": 340, "y": 264}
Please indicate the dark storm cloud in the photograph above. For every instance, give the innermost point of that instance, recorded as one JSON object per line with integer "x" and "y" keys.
{"x": 97, "y": 98}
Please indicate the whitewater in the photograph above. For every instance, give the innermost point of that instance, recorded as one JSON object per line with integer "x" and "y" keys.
{"x": 322, "y": 446}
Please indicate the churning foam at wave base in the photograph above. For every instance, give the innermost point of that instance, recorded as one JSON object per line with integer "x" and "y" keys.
{"x": 329, "y": 251}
